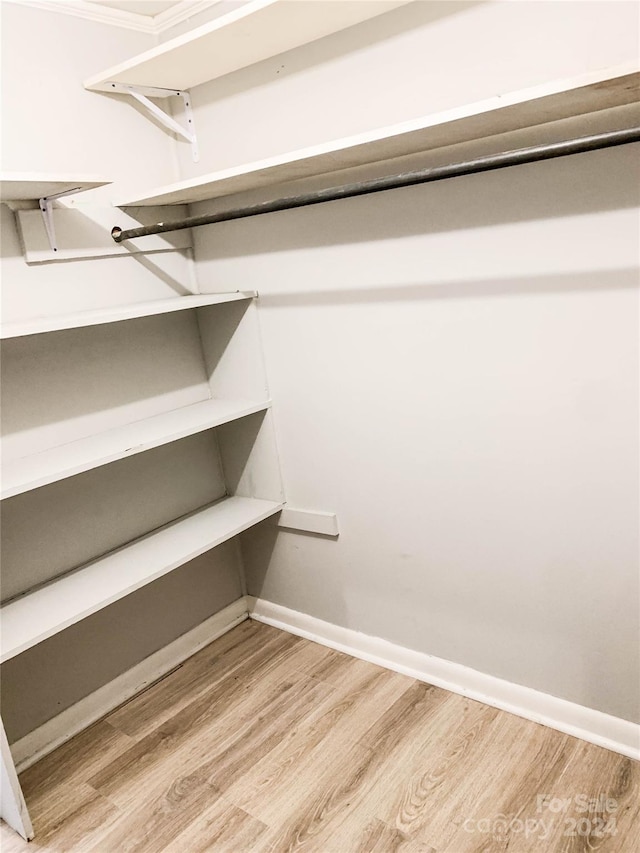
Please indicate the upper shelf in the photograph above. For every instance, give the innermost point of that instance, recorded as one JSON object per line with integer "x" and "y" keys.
{"x": 115, "y": 315}
{"x": 526, "y": 108}
{"x": 255, "y": 31}
{"x": 31, "y": 186}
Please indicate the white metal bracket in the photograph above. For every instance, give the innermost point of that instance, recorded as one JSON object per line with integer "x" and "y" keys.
{"x": 143, "y": 94}
{"x": 46, "y": 206}
{"x": 84, "y": 231}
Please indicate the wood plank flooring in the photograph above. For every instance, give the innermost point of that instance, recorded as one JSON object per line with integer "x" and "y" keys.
{"x": 267, "y": 743}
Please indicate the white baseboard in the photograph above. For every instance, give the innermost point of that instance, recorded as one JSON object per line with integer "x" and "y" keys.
{"x": 588, "y": 724}
{"x": 570, "y": 718}
{"x": 65, "y": 725}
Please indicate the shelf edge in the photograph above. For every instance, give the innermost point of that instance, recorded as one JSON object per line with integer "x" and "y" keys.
{"x": 264, "y": 509}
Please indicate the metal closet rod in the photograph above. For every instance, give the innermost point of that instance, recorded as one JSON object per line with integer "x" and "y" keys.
{"x": 517, "y": 157}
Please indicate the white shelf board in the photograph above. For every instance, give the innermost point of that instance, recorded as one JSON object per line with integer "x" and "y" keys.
{"x": 41, "y": 325}
{"x": 32, "y": 618}
{"x": 244, "y": 36}
{"x": 31, "y": 186}
{"x": 67, "y": 460}
{"x": 530, "y": 107}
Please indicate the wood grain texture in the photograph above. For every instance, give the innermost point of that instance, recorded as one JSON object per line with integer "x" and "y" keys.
{"x": 265, "y": 743}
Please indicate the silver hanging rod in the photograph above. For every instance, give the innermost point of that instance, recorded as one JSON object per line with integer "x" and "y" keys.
{"x": 518, "y": 157}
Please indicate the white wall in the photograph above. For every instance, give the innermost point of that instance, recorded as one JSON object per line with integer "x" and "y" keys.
{"x": 62, "y": 386}
{"x": 454, "y": 366}
{"x": 51, "y": 124}
{"x": 421, "y": 58}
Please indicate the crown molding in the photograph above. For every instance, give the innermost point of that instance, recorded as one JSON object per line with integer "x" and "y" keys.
{"x": 116, "y": 17}
{"x": 92, "y": 12}
{"x": 181, "y": 12}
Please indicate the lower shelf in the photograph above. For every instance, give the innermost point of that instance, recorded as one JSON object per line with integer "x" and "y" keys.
{"x": 37, "y": 615}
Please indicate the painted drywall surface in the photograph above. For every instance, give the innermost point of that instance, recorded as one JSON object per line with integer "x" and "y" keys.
{"x": 52, "y": 530}
{"x": 421, "y": 58}
{"x": 60, "y": 387}
{"x": 466, "y": 400}
{"x": 50, "y": 124}
{"x": 66, "y": 385}
{"x": 454, "y": 367}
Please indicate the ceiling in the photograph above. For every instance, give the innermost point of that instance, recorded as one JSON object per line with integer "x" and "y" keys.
{"x": 139, "y": 7}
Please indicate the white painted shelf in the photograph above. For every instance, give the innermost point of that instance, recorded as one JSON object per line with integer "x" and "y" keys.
{"x": 40, "y": 614}
{"x": 42, "y": 325}
{"x": 31, "y": 186}
{"x": 255, "y": 31}
{"x": 58, "y": 463}
{"x": 578, "y": 96}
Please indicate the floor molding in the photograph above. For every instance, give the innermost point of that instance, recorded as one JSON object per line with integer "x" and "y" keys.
{"x": 601, "y": 729}
{"x": 612, "y": 733}
{"x": 69, "y": 722}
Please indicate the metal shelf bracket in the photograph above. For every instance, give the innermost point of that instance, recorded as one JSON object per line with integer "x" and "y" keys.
{"x": 143, "y": 95}
{"x": 46, "y": 206}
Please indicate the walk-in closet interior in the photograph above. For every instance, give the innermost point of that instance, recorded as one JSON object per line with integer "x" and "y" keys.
{"x": 366, "y": 370}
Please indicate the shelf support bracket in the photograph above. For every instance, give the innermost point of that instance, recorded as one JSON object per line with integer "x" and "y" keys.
{"x": 47, "y": 214}
{"x": 46, "y": 206}
{"x": 143, "y": 95}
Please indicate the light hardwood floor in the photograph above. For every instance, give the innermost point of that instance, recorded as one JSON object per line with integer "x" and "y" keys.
{"x": 268, "y": 742}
